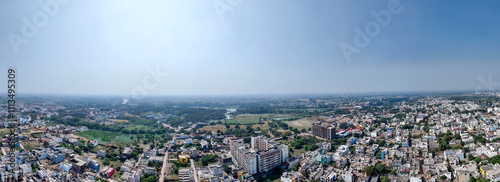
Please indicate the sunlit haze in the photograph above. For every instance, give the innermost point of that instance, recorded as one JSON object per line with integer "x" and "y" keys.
{"x": 217, "y": 47}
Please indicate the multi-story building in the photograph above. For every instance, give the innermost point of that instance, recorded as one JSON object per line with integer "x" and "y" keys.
{"x": 284, "y": 154}
{"x": 323, "y": 130}
{"x": 268, "y": 160}
{"x": 263, "y": 156}
{"x": 94, "y": 166}
{"x": 259, "y": 143}
{"x": 243, "y": 157}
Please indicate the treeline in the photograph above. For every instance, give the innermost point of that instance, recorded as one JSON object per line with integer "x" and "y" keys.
{"x": 201, "y": 114}
{"x": 147, "y": 107}
{"x": 257, "y": 110}
{"x": 113, "y": 128}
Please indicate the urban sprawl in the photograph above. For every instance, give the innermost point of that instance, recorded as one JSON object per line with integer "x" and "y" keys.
{"x": 372, "y": 138}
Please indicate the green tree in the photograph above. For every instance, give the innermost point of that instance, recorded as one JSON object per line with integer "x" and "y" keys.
{"x": 478, "y": 159}
{"x": 106, "y": 161}
{"x": 369, "y": 171}
{"x": 381, "y": 169}
{"x": 471, "y": 157}
{"x": 426, "y": 129}
{"x": 379, "y": 154}
{"x": 384, "y": 179}
{"x": 149, "y": 178}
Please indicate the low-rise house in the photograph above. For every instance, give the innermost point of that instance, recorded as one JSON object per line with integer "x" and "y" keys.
{"x": 150, "y": 152}
{"x": 25, "y": 168}
{"x": 127, "y": 152}
{"x": 94, "y": 166}
{"x": 101, "y": 153}
{"x": 108, "y": 171}
{"x": 66, "y": 166}
{"x": 58, "y": 157}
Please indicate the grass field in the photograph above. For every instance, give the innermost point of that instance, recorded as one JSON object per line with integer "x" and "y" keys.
{"x": 223, "y": 128}
{"x": 135, "y": 127}
{"x": 300, "y": 124}
{"x": 254, "y": 118}
{"x": 106, "y": 136}
{"x": 245, "y": 119}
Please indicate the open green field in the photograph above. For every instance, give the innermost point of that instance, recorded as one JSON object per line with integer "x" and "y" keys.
{"x": 106, "y": 136}
{"x": 254, "y": 118}
{"x": 245, "y": 119}
{"x": 223, "y": 128}
{"x": 138, "y": 127}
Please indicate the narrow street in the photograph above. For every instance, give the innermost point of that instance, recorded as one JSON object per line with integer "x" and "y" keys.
{"x": 195, "y": 173}
{"x": 164, "y": 167}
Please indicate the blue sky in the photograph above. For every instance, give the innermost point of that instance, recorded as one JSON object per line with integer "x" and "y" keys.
{"x": 258, "y": 47}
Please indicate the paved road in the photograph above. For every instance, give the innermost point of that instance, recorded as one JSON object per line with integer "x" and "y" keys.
{"x": 164, "y": 167}
{"x": 195, "y": 173}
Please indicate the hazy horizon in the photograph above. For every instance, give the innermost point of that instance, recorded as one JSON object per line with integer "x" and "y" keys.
{"x": 248, "y": 47}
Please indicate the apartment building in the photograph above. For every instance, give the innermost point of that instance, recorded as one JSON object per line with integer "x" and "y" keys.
{"x": 243, "y": 157}
{"x": 268, "y": 160}
{"x": 323, "y": 130}
{"x": 259, "y": 143}
{"x": 263, "y": 156}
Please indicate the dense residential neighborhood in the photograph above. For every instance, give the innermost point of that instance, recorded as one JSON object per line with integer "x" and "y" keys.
{"x": 372, "y": 138}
